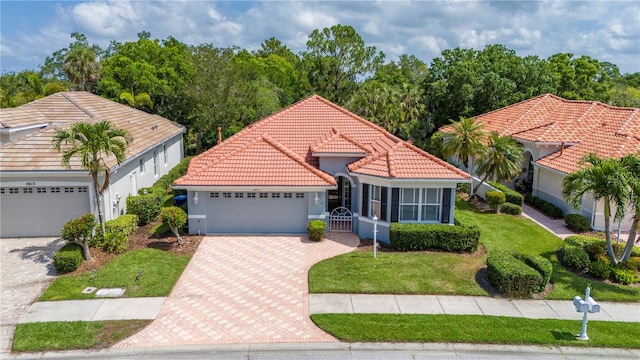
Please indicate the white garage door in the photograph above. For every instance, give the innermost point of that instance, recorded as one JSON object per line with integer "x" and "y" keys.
{"x": 40, "y": 211}
{"x": 256, "y": 213}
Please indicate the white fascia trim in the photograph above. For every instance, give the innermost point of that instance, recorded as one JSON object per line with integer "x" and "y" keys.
{"x": 22, "y": 128}
{"x": 196, "y": 216}
{"x": 535, "y": 165}
{"x": 255, "y": 188}
{"x": 39, "y": 174}
{"x": 339, "y": 155}
{"x": 408, "y": 183}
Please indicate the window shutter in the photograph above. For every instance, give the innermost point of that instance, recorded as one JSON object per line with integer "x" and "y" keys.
{"x": 365, "y": 200}
{"x": 446, "y": 205}
{"x": 395, "y": 204}
{"x": 383, "y": 203}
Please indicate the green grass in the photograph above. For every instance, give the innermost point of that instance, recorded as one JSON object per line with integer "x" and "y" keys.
{"x": 48, "y": 336}
{"x": 445, "y": 273}
{"x": 476, "y": 329}
{"x": 397, "y": 273}
{"x": 161, "y": 270}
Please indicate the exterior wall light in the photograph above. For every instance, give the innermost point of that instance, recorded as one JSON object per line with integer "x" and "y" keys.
{"x": 316, "y": 199}
{"x": 195, "y": 198}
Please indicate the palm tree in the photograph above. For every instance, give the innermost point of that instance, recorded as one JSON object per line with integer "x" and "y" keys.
{"x": 465, "y": 142}
{"x": 605, "y": 179}
{"x": 632, "y": 165}
{"x": 501, "y": 159}
{"x": 81, "y": 67}
{"x": 93, "y": 143}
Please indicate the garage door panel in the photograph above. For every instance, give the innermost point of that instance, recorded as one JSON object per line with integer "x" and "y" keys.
{"x": 40, "y": 211}
{"x": 257, "y": 215}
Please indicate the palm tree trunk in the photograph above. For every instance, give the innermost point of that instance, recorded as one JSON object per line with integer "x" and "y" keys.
{"x": 96, "y": 191}
{"x": 607, "y": 229}
{"x": 632, "y": 237}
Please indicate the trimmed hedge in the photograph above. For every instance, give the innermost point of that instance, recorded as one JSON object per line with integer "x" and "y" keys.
{"x": 420, "y": 237}
{"x": 68, "y": 258}
{"x": 147, "y": 207}
{"x": 495, "y": 199}
{"x": 316, "y": 230}
{"x": 544, "y": 206}
{"x": 577, "y": 223}
{"x": 511, "y": 276}
{"x": 511, "y": 209}
{"x": 600, "y": 269}
{"x": 126, "y": 224}
{"x": 575, "y": 257}
{"x": 541, "y": 265}
{"x": 163, "y": 185}
{"x": 512, "y": 196}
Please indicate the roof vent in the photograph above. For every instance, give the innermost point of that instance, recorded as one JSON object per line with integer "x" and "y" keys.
{"x": 154, "y": 127}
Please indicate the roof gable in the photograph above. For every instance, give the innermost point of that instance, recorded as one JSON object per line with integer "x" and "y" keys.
{"x": 336, "y": 142}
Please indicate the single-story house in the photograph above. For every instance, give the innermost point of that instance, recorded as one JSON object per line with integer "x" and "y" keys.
{"x": 38, "y": 195}
{"x": 316, "y": 160}
{"x": 556, "y": 134}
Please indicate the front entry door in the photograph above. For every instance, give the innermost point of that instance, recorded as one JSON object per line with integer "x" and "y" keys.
{"x": 340, "y": 197}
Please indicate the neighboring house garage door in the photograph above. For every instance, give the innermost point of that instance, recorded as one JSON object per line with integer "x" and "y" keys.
{"x": 242, "y": 213}
{"x": 40, "y": 211}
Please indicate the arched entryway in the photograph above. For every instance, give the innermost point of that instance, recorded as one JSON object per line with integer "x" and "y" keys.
{"x": 339, "y": 206}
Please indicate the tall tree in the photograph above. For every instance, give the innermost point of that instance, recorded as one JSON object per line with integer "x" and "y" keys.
{"x": 605, "y": 180}
{"x": 464, "y": 141}
{"x": 92, "y": 144}
{"x": 337, "y": 59}
{"x": 631, "y": 163}
{"x": 501, "y": 159}
{"x": 81, "y": 67}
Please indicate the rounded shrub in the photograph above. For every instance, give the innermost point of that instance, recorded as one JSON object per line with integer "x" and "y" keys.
{"x": 115, "y": 242}
{"x": 541, "y": 265}
{"x": 316, "y": 229}
{"x": 174, "y": 216}
{"x": 147, "y": 207}
{"x": 600, "y": 269}
{"x": 495, "y": 199}
{"x": 577, "y": 223}
{"x": 511, "y": 276}
{"x": 511, "y": 209}
{"x": 595, "y": 249}
{"x": 624, "y": 276}
{"x": 575, "y": 257}
{"x": 68, "y": 258}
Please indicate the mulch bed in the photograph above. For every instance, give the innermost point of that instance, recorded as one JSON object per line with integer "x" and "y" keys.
{"x": 141, "y": 239}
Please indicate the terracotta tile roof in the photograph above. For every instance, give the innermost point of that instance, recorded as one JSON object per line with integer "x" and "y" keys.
{"x": 279, "y": 150}
{"x": 583, "y": 127}
{"x": 405, "y": 161}
{"x": 35, "y": 152}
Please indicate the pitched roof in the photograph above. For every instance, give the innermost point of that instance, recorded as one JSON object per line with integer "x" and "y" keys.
{"x": 582, "y": 127}
{"x": 279, "y": 150}
{"x": 35, "y": 151}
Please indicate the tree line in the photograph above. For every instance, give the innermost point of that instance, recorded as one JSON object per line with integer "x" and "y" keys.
{"x": 204, "y": 87}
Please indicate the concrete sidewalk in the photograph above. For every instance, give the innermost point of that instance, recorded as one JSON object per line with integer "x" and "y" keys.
{"x": 466, "y": 305}
{"x": 148, "y": 308}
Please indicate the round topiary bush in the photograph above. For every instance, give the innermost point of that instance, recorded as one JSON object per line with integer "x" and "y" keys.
{"x": 495, "y": 199}
{"x": 575, "y": 257}
{"x": 577, "y": 222}
{"x": 511, "y": 209}
{"x": 316, "y": 229}
{"x": 600, "y": 269}
{"x": 68, "y": 258}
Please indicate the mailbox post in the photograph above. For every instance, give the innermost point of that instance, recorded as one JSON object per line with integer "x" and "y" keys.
{"x": 588, "y": 305}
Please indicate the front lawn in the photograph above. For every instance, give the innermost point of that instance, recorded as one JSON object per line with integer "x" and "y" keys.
{"x": 476, "y": 329}
{"x": 398, "y": 273}
{"x": 160, "y": 271}
{"x": 454, "y": 274}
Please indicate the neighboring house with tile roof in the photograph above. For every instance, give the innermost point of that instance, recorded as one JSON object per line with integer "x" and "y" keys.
{"x": 316, "y": 160}
{"x": 38, "y": 195}
{"x": 557, "y": 133}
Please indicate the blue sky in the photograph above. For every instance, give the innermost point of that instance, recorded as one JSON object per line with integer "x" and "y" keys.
{"x": 606, "y": 30}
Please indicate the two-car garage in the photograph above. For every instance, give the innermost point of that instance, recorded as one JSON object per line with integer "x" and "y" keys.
{"x": 40, "y": 210}
{"x": 256, "y": 212}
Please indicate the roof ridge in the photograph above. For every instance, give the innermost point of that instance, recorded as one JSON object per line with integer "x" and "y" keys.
{"x": 294, "y": 156}
{"x": 629, "y": 120}
{"x": 435, "y": 158}
{"x": 540, "y": 100}
{"x": 65, "y": 95}
{"x": 390, "y": 163}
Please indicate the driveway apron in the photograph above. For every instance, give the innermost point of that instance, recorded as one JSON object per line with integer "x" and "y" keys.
{"x": 26, "y": 267}
{"x": 243, "y": 289}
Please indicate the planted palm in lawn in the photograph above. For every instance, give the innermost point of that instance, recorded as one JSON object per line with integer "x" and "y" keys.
{"x": 475, "y": 329}
{"x": 160, "y": 271}
{"x": 397, "y": 273}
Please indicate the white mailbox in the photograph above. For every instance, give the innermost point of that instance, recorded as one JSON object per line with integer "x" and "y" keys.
{"x": 588, "y": 305}
{"x": 581, "y": 305}
{"x": 594, "y": 307}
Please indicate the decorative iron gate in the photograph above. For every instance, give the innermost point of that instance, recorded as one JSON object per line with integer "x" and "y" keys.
{"x": 340, "y": 220}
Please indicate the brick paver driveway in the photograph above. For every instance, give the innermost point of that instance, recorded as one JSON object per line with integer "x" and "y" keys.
{"x": 249, "y": 289}
{"x": 27, "y": 269}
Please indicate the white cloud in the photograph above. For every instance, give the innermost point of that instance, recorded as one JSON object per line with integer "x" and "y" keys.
{"x": 109, "y": 19}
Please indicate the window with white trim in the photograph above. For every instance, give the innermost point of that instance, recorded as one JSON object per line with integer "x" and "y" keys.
{"x": 375, "y": 196}
{"x": 288, "y": 195}
{"x": 141, "y": 166}
{"x": 14, "y": 190}
{"x": 251, "y": 195}
{"x": 275, "y": 195}
{"x": 83, "y": 189}
{"x": 409, "y": 204}
{"x": 68, "y": 189}
{"x": 239, "y": 195}
{"x": 264, "y": 195}
{"x": 299, "y": 195}
{"x": 27, "y": 190}
{"x": 55, "y": 189}
{"x": 214, "y": 195}
{"x": 155, "y": 162}
{"x": 226, "y": 195}
{"x": 41, "y": 190}
{"x": 166, "y": 156}
{"x": 431, "y": 205}
{"x": 1, "y": 190}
